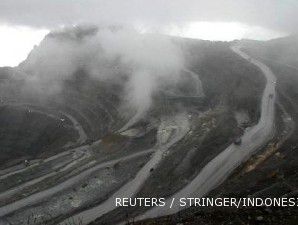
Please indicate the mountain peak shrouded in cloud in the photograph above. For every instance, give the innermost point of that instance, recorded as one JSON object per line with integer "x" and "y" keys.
{"x": 143, "y": 62}
{"x": 224, "y": 20}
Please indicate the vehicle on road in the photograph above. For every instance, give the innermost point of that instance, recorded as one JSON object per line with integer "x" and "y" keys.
{"x": 237, "y": 141}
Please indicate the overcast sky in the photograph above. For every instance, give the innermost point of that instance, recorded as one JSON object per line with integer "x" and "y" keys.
{"x": 273, "y": 14}
{"x": 208, "y": 19}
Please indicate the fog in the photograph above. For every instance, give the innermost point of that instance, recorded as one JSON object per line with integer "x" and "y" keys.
{"x": 143, "y": 62}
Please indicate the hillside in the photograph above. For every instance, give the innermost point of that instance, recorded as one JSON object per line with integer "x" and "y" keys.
{"x": 69, "y": 140}
{"x": 272, "y": 171}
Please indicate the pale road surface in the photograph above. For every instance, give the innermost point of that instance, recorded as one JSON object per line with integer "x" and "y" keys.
{"x": 37, "y": 197}
{"x": 218, "y": 169}
{"x": 131, "y": 188}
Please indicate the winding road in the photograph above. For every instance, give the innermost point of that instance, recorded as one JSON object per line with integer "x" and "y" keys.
{"x": 39, "y": 196}
{"x": 131, "y": 188}
{"x": 218, "y": 169}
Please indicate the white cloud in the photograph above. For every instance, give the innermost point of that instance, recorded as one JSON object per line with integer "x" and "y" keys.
{"x": 222, "y": 31}
{"x": 16, "y": 42}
